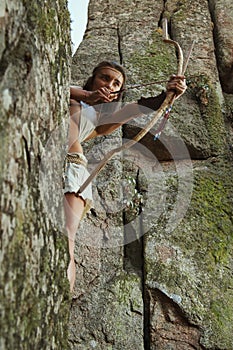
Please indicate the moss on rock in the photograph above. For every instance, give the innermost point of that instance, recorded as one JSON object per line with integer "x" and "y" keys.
{"x": 200, "y": 257}
{"x": 155, "y": 61}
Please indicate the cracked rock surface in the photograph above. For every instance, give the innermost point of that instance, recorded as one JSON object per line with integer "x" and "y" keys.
{"x": 156, "y": 272}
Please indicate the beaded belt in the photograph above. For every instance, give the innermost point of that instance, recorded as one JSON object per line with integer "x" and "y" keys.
{"x": 76, "y": 159}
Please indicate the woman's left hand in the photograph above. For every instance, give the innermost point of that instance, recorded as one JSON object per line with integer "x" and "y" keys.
{"x": 177, "y": 85}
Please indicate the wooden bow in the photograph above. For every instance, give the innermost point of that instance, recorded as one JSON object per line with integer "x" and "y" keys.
{"x": 168, "y": 102}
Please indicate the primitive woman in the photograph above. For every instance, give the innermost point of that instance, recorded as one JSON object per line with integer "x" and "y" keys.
{"x": 107, "y": 79}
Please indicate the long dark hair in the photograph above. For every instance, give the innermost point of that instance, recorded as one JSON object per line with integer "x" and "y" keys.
{"x": 104, "y": 64}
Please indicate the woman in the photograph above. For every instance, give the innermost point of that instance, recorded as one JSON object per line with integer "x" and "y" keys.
{"x": 104, "y": 86}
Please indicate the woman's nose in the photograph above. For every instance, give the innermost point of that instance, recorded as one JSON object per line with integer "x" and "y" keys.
{"x": 110, "y": 85}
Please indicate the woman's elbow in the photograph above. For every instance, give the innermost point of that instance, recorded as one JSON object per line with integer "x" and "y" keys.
{"x": 100, "y": 131}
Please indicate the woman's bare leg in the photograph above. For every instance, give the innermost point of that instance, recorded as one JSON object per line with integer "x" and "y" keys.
{"x": 73, "y": 212}
{"x": 73, "y": 206}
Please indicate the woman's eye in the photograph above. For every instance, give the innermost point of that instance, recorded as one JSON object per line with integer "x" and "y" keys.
{"x": 104, "y": 77}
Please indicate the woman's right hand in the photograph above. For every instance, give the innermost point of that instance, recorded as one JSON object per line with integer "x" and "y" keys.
{"x": 102, "y": 95}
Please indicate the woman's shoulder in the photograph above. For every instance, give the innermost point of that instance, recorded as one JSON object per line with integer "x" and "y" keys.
{"x": 78, "y": 94}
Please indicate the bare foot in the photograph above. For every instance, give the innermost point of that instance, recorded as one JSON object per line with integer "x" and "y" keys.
{"x": 71, "y": 272}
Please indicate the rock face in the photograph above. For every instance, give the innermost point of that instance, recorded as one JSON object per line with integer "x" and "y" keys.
{"x": 35, "y": 74}
{"x": 154, "y": 258}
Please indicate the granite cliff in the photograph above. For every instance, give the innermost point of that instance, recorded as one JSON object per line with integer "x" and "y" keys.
{"x": 154, "y": 257}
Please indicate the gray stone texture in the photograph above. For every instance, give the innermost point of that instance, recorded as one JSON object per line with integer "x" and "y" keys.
{"x": 34, "y": 91}
{"x": 154, "y": 256}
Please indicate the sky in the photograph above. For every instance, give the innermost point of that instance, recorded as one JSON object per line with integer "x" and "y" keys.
{"x": 78, "y": 12}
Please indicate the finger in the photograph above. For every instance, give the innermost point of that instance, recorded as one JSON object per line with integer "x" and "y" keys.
{"x": 105, "y": 91}
{"x": 176, "y": 84}
{"x": 177, "y": 78}
{"x": 177, "y": 88}
{"x": 104, "y": 96}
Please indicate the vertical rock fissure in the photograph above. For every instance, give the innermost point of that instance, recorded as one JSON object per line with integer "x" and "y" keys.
{"x": 223, "y": 66}
{"x": 162, "y": 14}
{"x": 145, "y": 295}
{"x": 27, "y": 152}
{"x": 216, "y": 49}
{"x": 133, "y": 240}
{"x": 119, "y": 45}
{"x": 134, "y": 261}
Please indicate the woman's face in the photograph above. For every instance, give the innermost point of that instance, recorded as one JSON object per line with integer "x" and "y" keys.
{"x": 109, "y": 78}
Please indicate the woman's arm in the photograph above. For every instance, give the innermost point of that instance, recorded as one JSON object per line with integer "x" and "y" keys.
{"x": 130, "y": 111}
{"x": 78, "y": 94}
{"x": 91, "y": 97}
{"x": 113, "y": 121}
{"x": 110, "y": 123}
{"x": 176, "y": 84}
